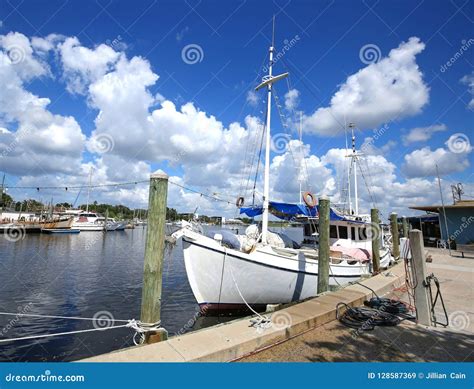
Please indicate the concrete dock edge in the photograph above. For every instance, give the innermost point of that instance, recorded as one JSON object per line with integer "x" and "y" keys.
{"x": 226, "y": 342}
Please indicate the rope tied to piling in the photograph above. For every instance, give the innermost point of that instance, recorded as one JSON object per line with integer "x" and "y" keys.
{"x": 141, "y": 329}
{"x": 138, "y": 326}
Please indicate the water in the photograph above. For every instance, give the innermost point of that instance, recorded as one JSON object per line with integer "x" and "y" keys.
{"x": 83, "y": 275}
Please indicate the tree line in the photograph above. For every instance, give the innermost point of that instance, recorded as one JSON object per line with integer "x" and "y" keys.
{"x": 120, "y": 212}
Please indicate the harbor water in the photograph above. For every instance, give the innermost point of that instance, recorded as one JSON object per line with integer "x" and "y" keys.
{"x": 87, "y": 275}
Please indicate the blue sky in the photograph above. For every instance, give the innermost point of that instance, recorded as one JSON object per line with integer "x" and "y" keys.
{"x": 233, "y": 37}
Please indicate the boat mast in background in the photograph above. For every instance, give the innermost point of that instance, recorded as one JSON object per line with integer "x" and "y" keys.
{"x": 354, "y": 160}
{"x": 89, "y": 190}
{"x": 353, "y": 166}
{"x": 349, "y": 195}
{"x": 300, "y": 197}
{"x": 268, "y": 81}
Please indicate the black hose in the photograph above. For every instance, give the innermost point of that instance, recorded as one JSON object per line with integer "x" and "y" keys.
{"x": 365, "y": 319}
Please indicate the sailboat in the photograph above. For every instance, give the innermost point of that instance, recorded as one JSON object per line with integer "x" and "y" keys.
{"x": 230, "y": 272}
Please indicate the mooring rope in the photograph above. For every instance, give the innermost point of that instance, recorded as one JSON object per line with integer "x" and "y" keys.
{"x": 261, "y": 321}
{"x": 139, "y": 327}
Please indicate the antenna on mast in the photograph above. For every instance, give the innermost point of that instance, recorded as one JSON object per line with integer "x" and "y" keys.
{"x": 273, "y": 31}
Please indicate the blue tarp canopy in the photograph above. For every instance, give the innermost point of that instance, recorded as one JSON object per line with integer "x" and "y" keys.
{"x": 288, "y": 211}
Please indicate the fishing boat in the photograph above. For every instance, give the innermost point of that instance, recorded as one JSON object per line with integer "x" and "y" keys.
{"x": 33, "y": 222}
{"x": 350, "y": 229}
{"x": 230, "y": 272}
{"x": 60, "y": 230}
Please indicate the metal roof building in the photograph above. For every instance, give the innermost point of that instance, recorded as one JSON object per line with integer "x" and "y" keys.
{"x": 459, "y": 220}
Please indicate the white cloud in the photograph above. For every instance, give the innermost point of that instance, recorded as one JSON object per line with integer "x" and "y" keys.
{"x": 82, "y": 65}
{"x": 38, "y": 140}
{"x": 422, "y": 134}
{"x": 253, "y": 98}
{"x": 18, "y": 52}
{"x": 147, "y": 128}
{"x": 422, "y": 162}
{"x": 468, "y": 79}
{"x": 292, "y": 99}
{"x": 180, "y": 34}
{"x": 388, "y": 90}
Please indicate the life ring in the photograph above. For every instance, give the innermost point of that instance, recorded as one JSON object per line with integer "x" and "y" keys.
{"x": 311, "y": 202}
{"x": 240, "y": 201}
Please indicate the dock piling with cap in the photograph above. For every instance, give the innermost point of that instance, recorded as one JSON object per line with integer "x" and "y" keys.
{"x": 323, "y": 257}
{"x": 154, "y": 255}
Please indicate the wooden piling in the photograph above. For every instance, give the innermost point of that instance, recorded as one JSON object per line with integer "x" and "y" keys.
{"x": 154, "y": 253}
{"x": 405, "y": 227}
{"x": 395, "y": 235}
{"x": 323, "y": 257}
{"x": 106, "y": 219}
{"x": 375, "y": 236}
{"x": 423, "y": 311}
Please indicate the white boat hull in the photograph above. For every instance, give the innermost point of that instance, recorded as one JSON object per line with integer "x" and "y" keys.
{"x": 224, "y": 279}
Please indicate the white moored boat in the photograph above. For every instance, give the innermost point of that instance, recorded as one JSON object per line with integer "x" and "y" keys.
{"x": 227, "y": 279}
{"x": 235, "y": 272}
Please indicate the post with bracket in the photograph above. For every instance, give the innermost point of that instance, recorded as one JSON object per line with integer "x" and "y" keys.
{"x": 423, "y": 311}
{"x": 323, "y": 255}
{"x": 154, "y": 254}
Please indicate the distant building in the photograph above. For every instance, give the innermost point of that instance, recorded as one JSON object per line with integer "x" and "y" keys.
{"x": 428, "y": 224}
{"x": 217, "y": 220}
{"x": 186, "y": 216}
{"x": 459, "y": 219}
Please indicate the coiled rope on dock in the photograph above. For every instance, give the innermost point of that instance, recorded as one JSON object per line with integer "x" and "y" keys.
{"x": 139, "y": 327}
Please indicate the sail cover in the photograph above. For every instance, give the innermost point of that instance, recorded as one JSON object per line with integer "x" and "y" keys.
{"x": 288, "y": 211}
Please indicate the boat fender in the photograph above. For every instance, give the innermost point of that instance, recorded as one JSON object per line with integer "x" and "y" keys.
{"x": 309, "y": 199}
{"x": 240, "y": 202}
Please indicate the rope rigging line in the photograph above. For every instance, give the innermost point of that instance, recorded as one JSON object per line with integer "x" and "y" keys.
{"x": 288, "y": 83}
{"x": 139, "y": 327}
{"x": 261, "y": 321}
{"x": 258, "y": 74}
{"x": 264, "y": 130}
{"x": 118, "y": 184}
